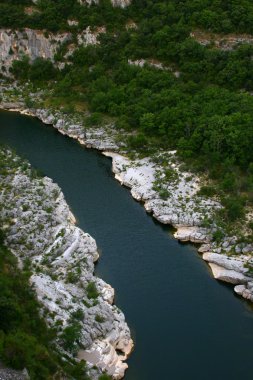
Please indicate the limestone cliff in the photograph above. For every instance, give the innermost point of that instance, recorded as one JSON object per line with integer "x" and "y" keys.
{"x": 33, "y": 43}
{"x": 39, "y": 44}
{"x": 39, "y": 228}
{"x": 115, "y": 3}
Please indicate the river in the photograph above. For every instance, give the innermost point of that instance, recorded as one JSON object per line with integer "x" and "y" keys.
{"x": 186, "y": 325}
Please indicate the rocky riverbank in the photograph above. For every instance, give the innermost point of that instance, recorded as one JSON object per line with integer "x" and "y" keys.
{"x": 40, "y": 230}
{"x": 168, "y": 192}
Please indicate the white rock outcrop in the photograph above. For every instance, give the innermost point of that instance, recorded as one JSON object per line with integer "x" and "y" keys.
{"x": 121, "y": 3}
{"x": 232, "y": 270}
{"x": 39, "y": 228}
{"x": 181, "y": 206}
{"x": 33, "y": 43}
{"x": 168, "y": 192}
{"x": 246, "y": 291}
{"x": 115, "y": 3}
{"x": 40, "y": 44}
{"x": 236, "y": 264}
{"x": 227, "y": 275}
{"x": 224, "y": 42}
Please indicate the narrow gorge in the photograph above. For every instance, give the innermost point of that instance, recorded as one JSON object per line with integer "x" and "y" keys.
{"x": 112, "y": 102}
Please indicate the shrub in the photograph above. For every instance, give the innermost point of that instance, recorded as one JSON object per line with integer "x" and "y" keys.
{"x": 70, "y": 336}
{"x": 138, "y": 141}
{"x": 72, "y": 277}
{"x": 218, "y": 235}
{"x": 207, "y": 191}
{"x": 234, "y": 208}
{"x": 94, "y": 119}
{"x": 22, "y": 350}
{"x": 78, "y": 314}
{"x": 104, "y": 377}
{"x": 99, "y": 318}
{"x": 92, "y": 291}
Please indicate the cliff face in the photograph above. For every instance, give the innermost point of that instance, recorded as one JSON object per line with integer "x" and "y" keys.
{"x": 115, "y": 3}
{"x": 39, "y": 227}
{"x": 33, "y": 43}
{"x": 37, "y": 44}
{"x": 121, "y": 3}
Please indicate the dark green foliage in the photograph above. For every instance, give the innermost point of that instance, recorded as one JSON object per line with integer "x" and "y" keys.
{"x": 40, "y": 70}
{"x": 105, "y": 377}
{"x": 11, "y": 15}
{"x": 78, "y": 314}
{"x": 137, "y": 142}
{"x": 23, "y": 350}
{"x": 208, "y": 191}
{"x": 70, "y": 336}
{"x": 94, "y": 119}
{"x": 92, "y": 292}
{"x": 78, "y": 372}
{"x": 99, "y": 318}
{"x": 24, "y": 336}
{"x": 206, "y": 113}
{"x": 10, "y": 314}
{"x": 234, "y": 207}
{"x": 218, "y": 235}
{"x": 72, "y": 277}
{"x": 161, "y": 17}
{"x": 25, "y": 340}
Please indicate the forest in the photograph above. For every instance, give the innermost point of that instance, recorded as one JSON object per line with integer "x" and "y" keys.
{"x": 25, "y": 340}
{"x": 200, "y": 103}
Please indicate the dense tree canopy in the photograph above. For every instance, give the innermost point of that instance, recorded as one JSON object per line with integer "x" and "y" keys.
{"x": 199, "y": 104}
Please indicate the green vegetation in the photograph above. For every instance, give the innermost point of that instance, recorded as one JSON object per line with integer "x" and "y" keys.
{"x": 205, "y": 112}
{"x": 218, "y": 16}
{"x": 200, "y": 104}
{"x": 105, "y": 377}
{"x": 70, "y": 336}
{"x": 25, "y": 340}
{"x": 99, "y": 319}
{"x": 41, "y": 69}
{"x": 92, "y": 292}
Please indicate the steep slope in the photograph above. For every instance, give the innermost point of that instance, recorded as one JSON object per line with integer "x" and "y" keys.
{"x": 39, "y": 229}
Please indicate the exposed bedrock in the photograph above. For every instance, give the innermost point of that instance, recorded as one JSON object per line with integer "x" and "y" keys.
{"x": 174, "y": 200}
{"x": 39, "y": 228}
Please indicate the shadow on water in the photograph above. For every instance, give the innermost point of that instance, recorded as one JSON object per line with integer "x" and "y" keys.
{"x": 186, "y": 325}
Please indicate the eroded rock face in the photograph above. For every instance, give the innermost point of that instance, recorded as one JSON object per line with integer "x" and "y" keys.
{"x": 153, "y": 63}
{"x": 33, "y": 43}
{"x": 236, "y": 264}
{"x": 246, "y": 291}
{"x": 11, "y": 374}
{"x": 121, "y": 3}
{"x": 38, "y": 44}
{"x": 223, "y": 42}
{"x": 227, "y": 275}
{"x": 181, "y": 206}
{"x": 233, "y": 270}
{"x": 115, "y": 3}
{"x": 39, "y": 227}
